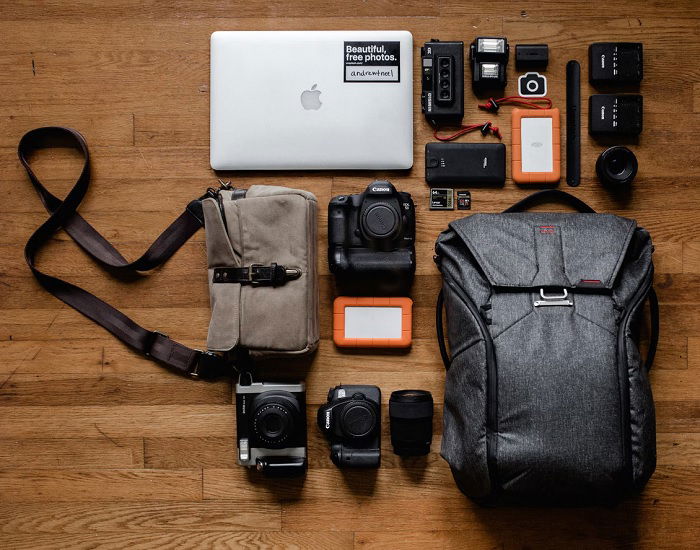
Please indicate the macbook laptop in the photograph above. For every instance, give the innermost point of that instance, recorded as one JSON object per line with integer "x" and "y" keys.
{"x": 311, "y": 100}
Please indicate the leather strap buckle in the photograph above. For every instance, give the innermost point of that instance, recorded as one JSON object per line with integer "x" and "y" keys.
{"x": 256, "y": 275}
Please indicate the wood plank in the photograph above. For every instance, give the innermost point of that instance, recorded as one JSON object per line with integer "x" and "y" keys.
{"x": 33, "y": 422}
{"x": 172, "y": 541}
{"x": 32, "y": 519}
{"x": 60, "y": 485}
{"x": 83, "y": 453}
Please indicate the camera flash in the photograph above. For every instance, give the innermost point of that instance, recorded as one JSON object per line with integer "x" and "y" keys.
{"x": 489, "y": 70}
{"x": 491, "y": 45}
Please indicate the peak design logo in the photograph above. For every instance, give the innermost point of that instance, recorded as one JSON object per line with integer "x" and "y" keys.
{"x": 310, "y": 99}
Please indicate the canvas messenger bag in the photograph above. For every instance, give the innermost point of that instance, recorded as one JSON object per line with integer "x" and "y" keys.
{"x": 261, "y": 251}
{"x": 547, "y": 397}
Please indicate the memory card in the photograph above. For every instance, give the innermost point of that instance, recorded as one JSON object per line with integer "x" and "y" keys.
{"x": 442, "y": 199}
{"x": 464, "y": 200}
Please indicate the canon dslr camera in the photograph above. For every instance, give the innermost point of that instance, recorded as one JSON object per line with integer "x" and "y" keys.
{"x": 351, "y": 420}
{"x": 371, "y": 241}
{"x": 271, "y": 424}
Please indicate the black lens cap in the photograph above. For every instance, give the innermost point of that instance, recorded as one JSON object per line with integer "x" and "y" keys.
{"x": 358, "y": 420}
{"x": 380, "y": 221}
{"x": 616, "y": 166}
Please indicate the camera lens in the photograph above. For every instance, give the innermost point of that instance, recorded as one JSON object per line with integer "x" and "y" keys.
{"x": 444, "y": 95}
{"x": 444, "y": 84}
{"x": 275, "y": 418}
{"x": 444, "y": 62}
{"x": 616, "y": 166}
{"x": 444, "y": 73}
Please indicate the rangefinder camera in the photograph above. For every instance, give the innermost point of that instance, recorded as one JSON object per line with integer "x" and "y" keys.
{"x": 442, "y": 97}
{"x": 271, "y": 426}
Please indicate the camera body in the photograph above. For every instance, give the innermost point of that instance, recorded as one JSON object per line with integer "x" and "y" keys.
{"x": 442, "y": 98}
{"x": 371, "y": 241}
{"x": 271, "y": 426}
{"x": 351, "y": 421}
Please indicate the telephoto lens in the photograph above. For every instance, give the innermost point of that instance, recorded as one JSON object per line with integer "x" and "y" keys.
{"x": 616, "y": 166}
{"x": 411, "y": 417}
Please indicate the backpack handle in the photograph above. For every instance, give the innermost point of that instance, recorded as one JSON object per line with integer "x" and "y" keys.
{"x": 550, "y": 195}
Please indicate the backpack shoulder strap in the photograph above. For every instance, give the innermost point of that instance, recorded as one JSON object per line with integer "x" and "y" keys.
{"x": 63, "y": 214}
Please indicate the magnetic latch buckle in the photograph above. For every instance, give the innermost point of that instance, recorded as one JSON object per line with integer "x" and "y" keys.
{"x": 554, "y": 299}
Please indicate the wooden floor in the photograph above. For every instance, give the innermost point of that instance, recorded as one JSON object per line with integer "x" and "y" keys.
{"x": 101, "y": 449}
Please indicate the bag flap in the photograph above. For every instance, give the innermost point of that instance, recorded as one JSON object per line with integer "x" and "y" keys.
{"x": 270, "y": 225}
{"x": 565, "y": 250}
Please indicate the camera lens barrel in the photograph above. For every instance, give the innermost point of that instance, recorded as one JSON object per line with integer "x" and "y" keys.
{"x": 616, "y": 166}
{"x": 411, "y": 417}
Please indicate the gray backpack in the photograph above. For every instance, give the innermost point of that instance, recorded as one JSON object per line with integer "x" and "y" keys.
{"x": 547, "y": 399}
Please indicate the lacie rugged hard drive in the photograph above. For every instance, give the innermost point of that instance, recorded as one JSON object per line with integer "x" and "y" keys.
{"x": 465, "y": 163}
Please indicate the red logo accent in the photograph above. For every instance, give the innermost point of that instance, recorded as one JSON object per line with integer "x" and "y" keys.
{"x": 547, "y": 229}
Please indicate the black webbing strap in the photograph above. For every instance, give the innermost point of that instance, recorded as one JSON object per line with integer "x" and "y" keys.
{"x": 654, "y": 332}
{"x": 153, "y": 344}
{"x": 440, "y": 332}
{"x": 550, "y": 195}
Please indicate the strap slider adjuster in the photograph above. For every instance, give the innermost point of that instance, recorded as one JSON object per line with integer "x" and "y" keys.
{"x": 207, "y": 365}
{"x": 150, "y": 340}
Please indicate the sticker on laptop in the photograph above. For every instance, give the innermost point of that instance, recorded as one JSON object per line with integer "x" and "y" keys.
{"x": 372, "y": 61}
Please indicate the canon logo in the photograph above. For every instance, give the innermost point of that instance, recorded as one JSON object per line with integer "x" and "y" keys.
{"x": 380, "y": 189}
{"x": 328, "y": 419}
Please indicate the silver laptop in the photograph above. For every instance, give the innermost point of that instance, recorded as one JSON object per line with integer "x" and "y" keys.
{"x": 311, "y": 100}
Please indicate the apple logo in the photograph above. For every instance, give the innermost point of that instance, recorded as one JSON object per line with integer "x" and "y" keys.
{"x": 310, "y": 99}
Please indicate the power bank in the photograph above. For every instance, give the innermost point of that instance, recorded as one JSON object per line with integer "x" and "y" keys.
{"x": 465, "y": 163}
{"x": 536, "y": 155}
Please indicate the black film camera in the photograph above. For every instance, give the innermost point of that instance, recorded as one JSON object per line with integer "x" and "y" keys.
{"x": 351, "y": 420}
{"x": 271, "y": 425}
{"x": 442, "y": 98}
{"x": 371, "y": 240}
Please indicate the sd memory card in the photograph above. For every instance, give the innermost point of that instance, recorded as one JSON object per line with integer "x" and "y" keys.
{"x": 442, "y": 199}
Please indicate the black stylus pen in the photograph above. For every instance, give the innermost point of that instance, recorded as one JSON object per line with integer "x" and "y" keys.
{"x": 573, "y": 123}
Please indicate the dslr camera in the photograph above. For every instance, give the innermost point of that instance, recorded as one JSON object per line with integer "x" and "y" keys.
{"x": 271, "y": 425}
{"x": 442, "y": 98}
{"x": 371, "y": 241}
{"x": 351, "y": 421}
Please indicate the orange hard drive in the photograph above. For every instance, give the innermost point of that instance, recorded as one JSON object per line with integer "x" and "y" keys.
{"x": 536, "y": 150}
{"x": 367, "y": 322}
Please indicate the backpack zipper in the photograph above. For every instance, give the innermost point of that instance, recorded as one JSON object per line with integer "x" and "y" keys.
{"x": 491, "y": 383}
{"x": 623, "y": 375}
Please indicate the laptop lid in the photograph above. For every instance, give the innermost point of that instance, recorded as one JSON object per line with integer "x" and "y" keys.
{"x": 311, "y": 100}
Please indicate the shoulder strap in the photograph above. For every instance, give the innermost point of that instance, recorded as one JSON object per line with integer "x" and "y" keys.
{"x": 550, "y": 195}
{"x": 654, "y": 332}
{"x": 440, "y": 332}
{"x": 63, "y": 214}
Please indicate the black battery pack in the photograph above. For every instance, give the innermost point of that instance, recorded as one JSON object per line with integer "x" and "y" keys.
{"x": 610, "y": 114}
{"x": 465, "y": 163}
{"x": 615, "y": 63}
